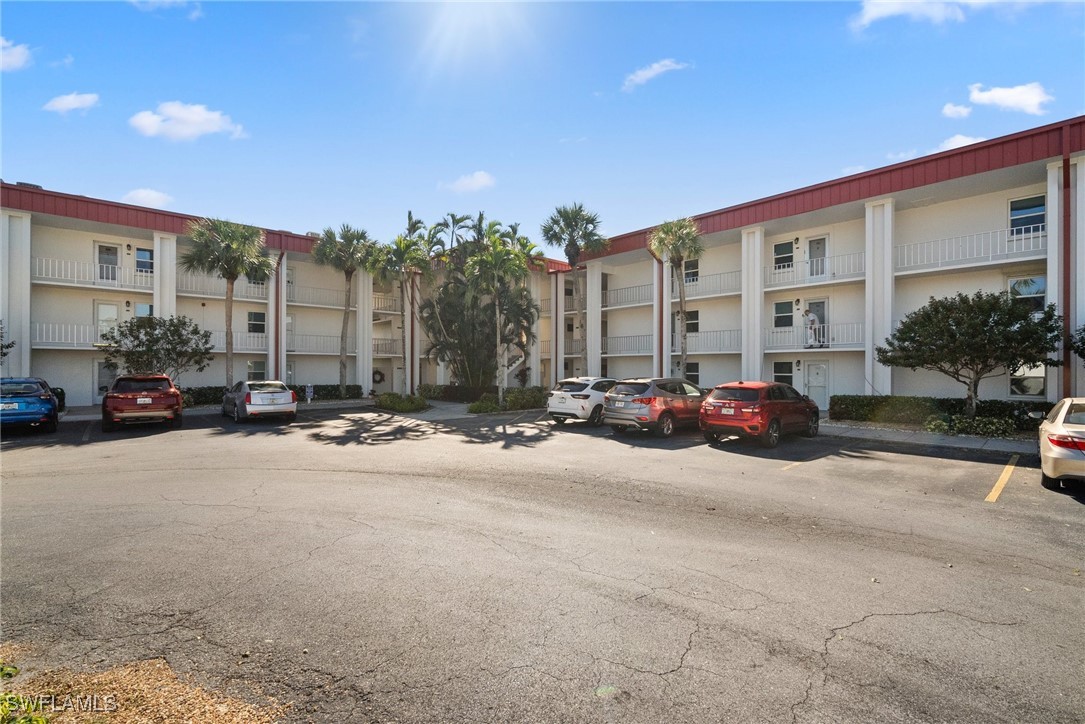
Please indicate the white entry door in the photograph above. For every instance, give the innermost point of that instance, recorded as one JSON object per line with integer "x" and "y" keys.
{"x": 107, "y": 315}
{"x": 109, "y": 261}
{"x": 817, "y": 383}
{"x": 816, "y": 248}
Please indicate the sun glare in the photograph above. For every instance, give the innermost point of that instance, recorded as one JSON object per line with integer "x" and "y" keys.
{"x": 466, "y": 36}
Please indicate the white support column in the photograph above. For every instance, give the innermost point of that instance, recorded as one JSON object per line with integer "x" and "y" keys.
{"x": 753, "y": 303}
{"x": 534, "y": 358}
{"x": 414, "y": 339}
{"x": 1077, "y": 258}
{"x": 165, "y": 275}
{"x": 557, "y": 330}
{"x": 879, "y": 294}
{"x": 666, "y": 285}
{"x": 594, "y": 335}
{"x": 1054, "y": 262}
{"x": 15, "y": 291}
{"x": 657, "y": 310}
{"x": 276, "y": 321}
{"x": 363, "y": 331}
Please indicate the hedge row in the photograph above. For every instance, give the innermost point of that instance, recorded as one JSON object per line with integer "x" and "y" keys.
{"x": 454, "y": 393}
{"x": 516, "y": 398}
{"x": 917, "y": 410}
{"x": 398, "y": 403}
{"x": 961, "y": 425}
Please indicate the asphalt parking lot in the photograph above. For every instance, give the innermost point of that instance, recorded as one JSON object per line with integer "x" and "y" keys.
{"x": 370, "y": 567}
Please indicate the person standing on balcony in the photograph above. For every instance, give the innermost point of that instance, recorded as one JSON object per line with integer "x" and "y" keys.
{"x": 811, "y": 323}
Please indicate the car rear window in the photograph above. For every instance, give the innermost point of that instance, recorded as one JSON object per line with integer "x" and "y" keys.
{"x": 629, "y": 388}
{"x": 140, "y": 385}
{"x": 741, "y": 394}
{"x": 267, "y": 387}
{"x": 1075, "y": 415}
{"x": 17, "y": 389}
{"x": 570, "y": 386}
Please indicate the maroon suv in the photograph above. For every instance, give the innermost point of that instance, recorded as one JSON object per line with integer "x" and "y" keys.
{"x": 141, "y": 398}
{"x": 765, "y": 410}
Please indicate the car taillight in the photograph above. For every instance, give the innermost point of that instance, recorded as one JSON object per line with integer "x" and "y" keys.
{"x": 643, "y": 400}
{"x": 248, "y": 398}
{"x": 606, "y": 398}
{"x": 1067, "y": 441}
{"x": 293, "y": 396}
{"x": 581, "y": 397}
{"x": 754, "y": 410}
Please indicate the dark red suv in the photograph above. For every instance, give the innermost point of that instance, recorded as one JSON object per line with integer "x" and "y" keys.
{"x": 141, "y": 398}
{"x": 765, "y": 410}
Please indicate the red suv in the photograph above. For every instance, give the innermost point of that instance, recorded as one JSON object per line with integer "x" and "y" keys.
{"x": 141, "y": 398}
{"x": 764, "y": 410}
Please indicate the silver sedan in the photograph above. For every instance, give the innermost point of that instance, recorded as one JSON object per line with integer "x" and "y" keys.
{"x": 1062, "y": 441}
{"x": 263, "y": 398}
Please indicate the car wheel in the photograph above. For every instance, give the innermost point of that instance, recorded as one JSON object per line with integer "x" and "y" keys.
{"x": 176, "y": 421}
{"x": 595, "y": 419}
{"x": 812, "y": 426}
{"x": 711, "y": 437}
{"x": 107, "y": 424}
{"x": 618, "y": 428}
{"x": 665, "y": 426}
{"x": 237, "y": 414}
{"x": 52, "y": 425}
{"x": 292, "y": 417}
{"x": 770, "y": 438}
{"x": 559, "y": 420}
{"x": 224, "y": 413}
{"x": 1049, "y": 483}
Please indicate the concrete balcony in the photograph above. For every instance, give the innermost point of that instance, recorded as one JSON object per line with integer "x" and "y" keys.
{"x": 204, "y": 285}
{"x": 633, "y": 344}
{"x": 50, "y": 335}
{"x": 1029, "y": 242}
{"x": 243, "y": 341}
{"x": 317, "y": 297}
{"x": 317, "y": 344}
{"x": 816, "y": 271}
{"x": 544, "y": 346}
{"x": 573, "y": 347}
{"x": 88, "y": 274}
{"x": 387, "y": 303}
{"x": 627, "y": 296}
{"x": 711, "y": 285}
{"x": 823, "y": 336}
{"x": 723, "y": 340}
{"x": 544, "y": 305}
{"x": 385, "y": 347}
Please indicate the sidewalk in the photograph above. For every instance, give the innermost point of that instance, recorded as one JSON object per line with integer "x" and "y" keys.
{"x": 440, "y": 411}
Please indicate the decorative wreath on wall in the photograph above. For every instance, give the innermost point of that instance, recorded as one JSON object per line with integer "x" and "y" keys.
{"x": 378, "y": 377}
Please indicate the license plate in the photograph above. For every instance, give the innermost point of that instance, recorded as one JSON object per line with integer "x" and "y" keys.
{"x": 561, "y": 400}
{"x": 9, "y": 406}
{"x": 619, "y": 403}
{"x": 143, "y": 400}
{"x": 727, "y": 410}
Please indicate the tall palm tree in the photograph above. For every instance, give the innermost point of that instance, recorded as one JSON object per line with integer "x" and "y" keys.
{"x": 350, "y": 251}
{"x": 229, "y": 250}
{"x": 576, "y": 231}
{"x": 678, "y": 241}
{"x": 400, "y": 261}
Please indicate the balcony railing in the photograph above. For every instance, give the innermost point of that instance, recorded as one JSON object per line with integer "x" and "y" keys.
{"x": 827, "y": 336}
{"x": 573, "y": 347}
{"x": 243, "y": 341}
{"x": 723, "y": 340}
{"x": 387, "y": 347}
{"x": 317, "y": 296}
{"x": 989, "y": 246}
{"x": 816, "y": 271}
{"x": 76, "y": 336}
{"x": 385, "y": 303}
{"x": 544, "y": 305}
{"x": 629, "y": 344}
{"x": 67, "y": 271}
{"x": 208, "y": 286}
{"x": 709, "y": 285}
{"x": 316, "y": 343}
{"x": 544, "y": 346}
{"x": 626, "y": 296}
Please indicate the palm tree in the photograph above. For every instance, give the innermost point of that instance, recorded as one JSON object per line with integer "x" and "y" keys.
{"x": 678, "y": 241}
{"x": 575, "y": 230}
{"x": 231, "y": 251}
{"x": 400, "y": 261}
{"x": 349, "y": 252}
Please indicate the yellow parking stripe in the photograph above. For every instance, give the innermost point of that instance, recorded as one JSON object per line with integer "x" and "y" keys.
{"x": 1002, "y": 480}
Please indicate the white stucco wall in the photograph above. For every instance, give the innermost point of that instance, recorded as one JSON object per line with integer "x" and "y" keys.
{"x": 976, "y": 214}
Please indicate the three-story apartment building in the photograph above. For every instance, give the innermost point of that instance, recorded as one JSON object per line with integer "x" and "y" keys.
{"x": 799, "y": 287}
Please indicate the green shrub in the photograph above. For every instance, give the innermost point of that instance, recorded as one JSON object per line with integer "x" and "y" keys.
{"x": 431, "y": 392}
{"x": 939, "y": 424}
{"x": 919, "y": 410}
{"x": 461, "y": 393}
{"x": 398, "y": 403}
{"x": 483, "y": 406}
{"x": 962, "y": 425}
{"x": 525, "y": 398}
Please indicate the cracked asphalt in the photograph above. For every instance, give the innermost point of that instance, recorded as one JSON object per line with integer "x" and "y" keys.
{"x": 368, "y": 567}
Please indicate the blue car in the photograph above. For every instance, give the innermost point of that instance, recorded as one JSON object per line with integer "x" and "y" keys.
{"x": 28, "y": 401}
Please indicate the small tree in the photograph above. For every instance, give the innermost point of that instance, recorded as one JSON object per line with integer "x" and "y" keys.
{"x": 1076, "y": 343}
{"x": 5, "y": 347}
{"x": 678, "y": 241}
{"x": 172, "y": 345}
{"x": 971, "y": 338}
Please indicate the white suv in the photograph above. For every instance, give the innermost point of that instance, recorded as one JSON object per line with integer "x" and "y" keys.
{"x": 578, "y": 398}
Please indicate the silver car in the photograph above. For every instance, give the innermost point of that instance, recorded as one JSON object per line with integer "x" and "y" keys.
{"x": 263, "y": 398}
{"x": 1062, "y": 441}
{"x": 656, "y": 404}
{"x": 578, "y": 398}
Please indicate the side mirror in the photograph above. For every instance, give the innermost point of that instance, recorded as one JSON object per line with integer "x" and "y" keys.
{"x": 1036, "y": 415}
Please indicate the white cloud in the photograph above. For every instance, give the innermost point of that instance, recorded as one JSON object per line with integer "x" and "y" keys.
{"x": 147, "y": 197}
{"x": 1028, "y": 98}
{"x": 471, "y": 182}
{"x": 66, "y": 62}
{"x": 957, "y": 141}
{"x": 72, "y": 102}
{"x": 184, "y": 122}
{"x": 645, "y": 74}
{"x": 952, "y": 110}
{"x": 195, "y": 12}
{"x": 852, "y": 170}
{"x": 899, "y": 156}
{"x": 13, "y": 57}
{"x": 935, "y": 12}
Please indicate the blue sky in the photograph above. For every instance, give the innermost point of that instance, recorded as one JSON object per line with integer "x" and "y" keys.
{"x": 299, "y": 116}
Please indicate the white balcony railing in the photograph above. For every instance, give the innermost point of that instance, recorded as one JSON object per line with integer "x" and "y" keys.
{"x": 387, "y": 347}
{"x": 544, "y": 346}
{"x": 544, "y": 305}
{"x": 710, "y": 285}
{"x": 573, "y": 346}
{"x": 989, "y": 246}
{"x": 385, "y": 303}
{"x": 629, "y": 344}
{"x": 317, "y": 296}
{"x": 316, "y": 343}
{"x": 67, "y": 271}
{"x": 204, "y": 285}
{"x": 827, "y": 336}
{"x": 816, "y": 271}
{"x": 723, "y": 340}
{"x": 77, "y": 336}
{"x": 243, "y": 341}
{"x": 626, "y": 296}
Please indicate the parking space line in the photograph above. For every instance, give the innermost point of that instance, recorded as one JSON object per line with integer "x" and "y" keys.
{"x": 86, "y": 433}
{"x": 1002, "y": 480}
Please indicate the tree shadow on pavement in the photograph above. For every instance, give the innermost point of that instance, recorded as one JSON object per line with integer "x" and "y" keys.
{"x": 368, "y": 428}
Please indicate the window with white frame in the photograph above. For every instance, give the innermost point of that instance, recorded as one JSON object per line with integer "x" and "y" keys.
{"x": 257, "y": 370}
{"x": 691, "y": 270}
{"x": 144, "y": 310}
{"x": 782, "y": 315}
{"x": 257, "y": 323}
{"x": 1030, "y": 291}
{"x": 145, "y": 261}
{"x": 783, "y": 372}
{"x": 693, "y": 372}
{"x": 693, "y": 321}
{"x": 289, "y": 373}
{"x": 1028, "y": 216}
{"x": 1029, "y": 382}
{"x": 783, "y": 254}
